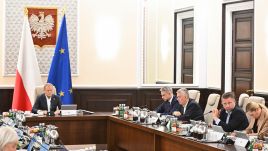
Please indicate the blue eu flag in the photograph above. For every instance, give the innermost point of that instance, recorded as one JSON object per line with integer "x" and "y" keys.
{"x": 60, "y": 72}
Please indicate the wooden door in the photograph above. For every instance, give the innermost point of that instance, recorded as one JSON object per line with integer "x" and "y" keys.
{"x": 187, "y": 50}
{"x": 242, "y": 51}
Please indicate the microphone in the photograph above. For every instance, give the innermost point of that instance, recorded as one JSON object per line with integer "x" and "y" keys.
{"x": 90, "y": 112}
{"x": 208, "y": 112}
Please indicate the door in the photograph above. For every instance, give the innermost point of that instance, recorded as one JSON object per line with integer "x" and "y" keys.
{"x": 242, "y": 51}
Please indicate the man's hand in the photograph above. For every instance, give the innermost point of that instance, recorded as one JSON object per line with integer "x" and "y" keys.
{"x": 215, "y": 114}
{"x": 57, "y": 112}
{"x": 176, "y": 113}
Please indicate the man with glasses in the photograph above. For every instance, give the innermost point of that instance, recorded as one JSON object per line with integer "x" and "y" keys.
{"x": 231, "y": 117}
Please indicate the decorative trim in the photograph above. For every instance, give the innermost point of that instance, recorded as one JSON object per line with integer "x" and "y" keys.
{"x": 179, "y": 16}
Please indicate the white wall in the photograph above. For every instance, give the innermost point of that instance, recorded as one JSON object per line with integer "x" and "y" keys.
{"x": 261, "y": 46}
{"x": 214, "y": 28}
{"x": 123, "y": 17}
{"x": 106, "y": 26}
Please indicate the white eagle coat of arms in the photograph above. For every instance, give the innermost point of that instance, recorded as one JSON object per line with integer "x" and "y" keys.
{"x": 41, "y": 26}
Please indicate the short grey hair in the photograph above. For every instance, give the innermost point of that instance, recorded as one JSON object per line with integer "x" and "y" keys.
{"x": 183, "y": 91}
{"x": 48, "y": 84}
{"x": 166, "y": 89}
{"x": 7, "y": 135}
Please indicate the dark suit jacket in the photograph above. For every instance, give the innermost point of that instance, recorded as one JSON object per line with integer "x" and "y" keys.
{"x": 237, "y": 121}
{"x": 193, "y": 112}
{"x": 168, "y": 108}
{"x": 41, "y": 103}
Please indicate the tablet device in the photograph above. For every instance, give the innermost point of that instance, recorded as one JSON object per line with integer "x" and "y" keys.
{"x": 217, "y": 128}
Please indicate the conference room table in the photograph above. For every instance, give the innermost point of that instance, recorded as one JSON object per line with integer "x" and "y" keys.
{"x": 122, "y": 135}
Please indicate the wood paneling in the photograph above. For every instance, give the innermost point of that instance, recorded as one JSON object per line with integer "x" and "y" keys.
{"x": 108, "y": 98}
{"x": 6, "y": 96}
{"x": 104, "y": 99}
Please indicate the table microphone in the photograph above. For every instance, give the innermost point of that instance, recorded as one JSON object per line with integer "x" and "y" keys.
{"x": 90, "y": 112}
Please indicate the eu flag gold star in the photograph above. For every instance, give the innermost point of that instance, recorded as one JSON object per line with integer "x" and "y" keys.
{"x": 61, "y": 51}
{"x": 61, "y": 93}
{"x": 71, "y": 91}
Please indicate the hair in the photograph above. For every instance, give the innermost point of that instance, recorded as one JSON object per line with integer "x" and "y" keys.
{"x": 48, "y": 84}
{"x": 7, "y": 135}
{"x": 166, "y": 89}
{"x": 253, "y": 106}
{"x": 228, "y": 95}
{"x": 183, "y": 91}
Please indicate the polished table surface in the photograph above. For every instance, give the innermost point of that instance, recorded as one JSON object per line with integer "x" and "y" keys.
{"x": 122, "y": 134}
{"x": 119, "y": 134}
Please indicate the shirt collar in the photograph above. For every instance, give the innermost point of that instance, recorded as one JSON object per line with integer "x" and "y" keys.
{"x": 170, "y": 100}
{"x": 48, "y": 98}
{"x": 186, "y": 104}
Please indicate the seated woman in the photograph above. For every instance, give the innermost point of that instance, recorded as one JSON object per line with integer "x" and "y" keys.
{"x": 258, "y": 124}
{"x": 8, "y": 139}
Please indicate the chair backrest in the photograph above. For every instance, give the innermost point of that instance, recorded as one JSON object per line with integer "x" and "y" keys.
{"x": 194, "y": 94}
{"x": 242, "y": 101}
{"x": 212, "y": 103}
{"x": 256, "y": 99}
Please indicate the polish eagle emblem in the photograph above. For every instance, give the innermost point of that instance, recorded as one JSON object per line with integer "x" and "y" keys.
{"x": 41, "y": 25}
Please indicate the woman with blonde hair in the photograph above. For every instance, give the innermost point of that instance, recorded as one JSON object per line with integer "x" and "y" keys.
{"x": 258, "y": 124}
{"x": 8, "y": 139}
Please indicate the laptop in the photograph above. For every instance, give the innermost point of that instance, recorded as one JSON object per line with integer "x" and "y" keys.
{"x": 217, "y": 128}
{"x": 69, "y": 107}
{"x": 241, "y": 134}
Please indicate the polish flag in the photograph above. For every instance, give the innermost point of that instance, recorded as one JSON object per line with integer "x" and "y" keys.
{"x": 27, "y": 74}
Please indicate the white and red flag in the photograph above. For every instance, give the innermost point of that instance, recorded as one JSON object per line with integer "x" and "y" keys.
{"x": 27, "y": 74}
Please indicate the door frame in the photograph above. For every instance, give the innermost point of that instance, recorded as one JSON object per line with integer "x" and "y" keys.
{"x": 228, "y": 9}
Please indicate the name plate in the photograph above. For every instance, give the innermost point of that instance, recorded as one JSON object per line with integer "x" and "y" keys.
{"x": 241, "y": 142}
{"x": 68, "y": 112}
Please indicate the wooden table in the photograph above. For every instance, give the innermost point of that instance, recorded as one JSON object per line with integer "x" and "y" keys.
{"x": 128, "y": 136}
{"x": 80, "y": 129}
{"x": 122, "y": 135}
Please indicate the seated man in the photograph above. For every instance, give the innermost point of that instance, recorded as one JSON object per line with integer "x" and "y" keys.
{"x": 47, "y": 102}
{"x": 231, "y": 117}
{"x": 170, "y": 103}
{"x": 188, "y": 109}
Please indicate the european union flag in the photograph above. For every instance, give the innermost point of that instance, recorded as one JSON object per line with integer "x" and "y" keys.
{"x": 60, "y": 72}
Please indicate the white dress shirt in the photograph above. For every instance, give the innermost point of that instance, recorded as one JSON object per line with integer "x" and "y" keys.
{"x": 48, "y": 103}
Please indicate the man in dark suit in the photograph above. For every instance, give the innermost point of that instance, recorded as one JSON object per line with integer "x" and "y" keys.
{"x": 231, "y": 117}
{"x": 47, "y": 103}
{"x": 188, "y": 109}
{"x": 170, "y": 103}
